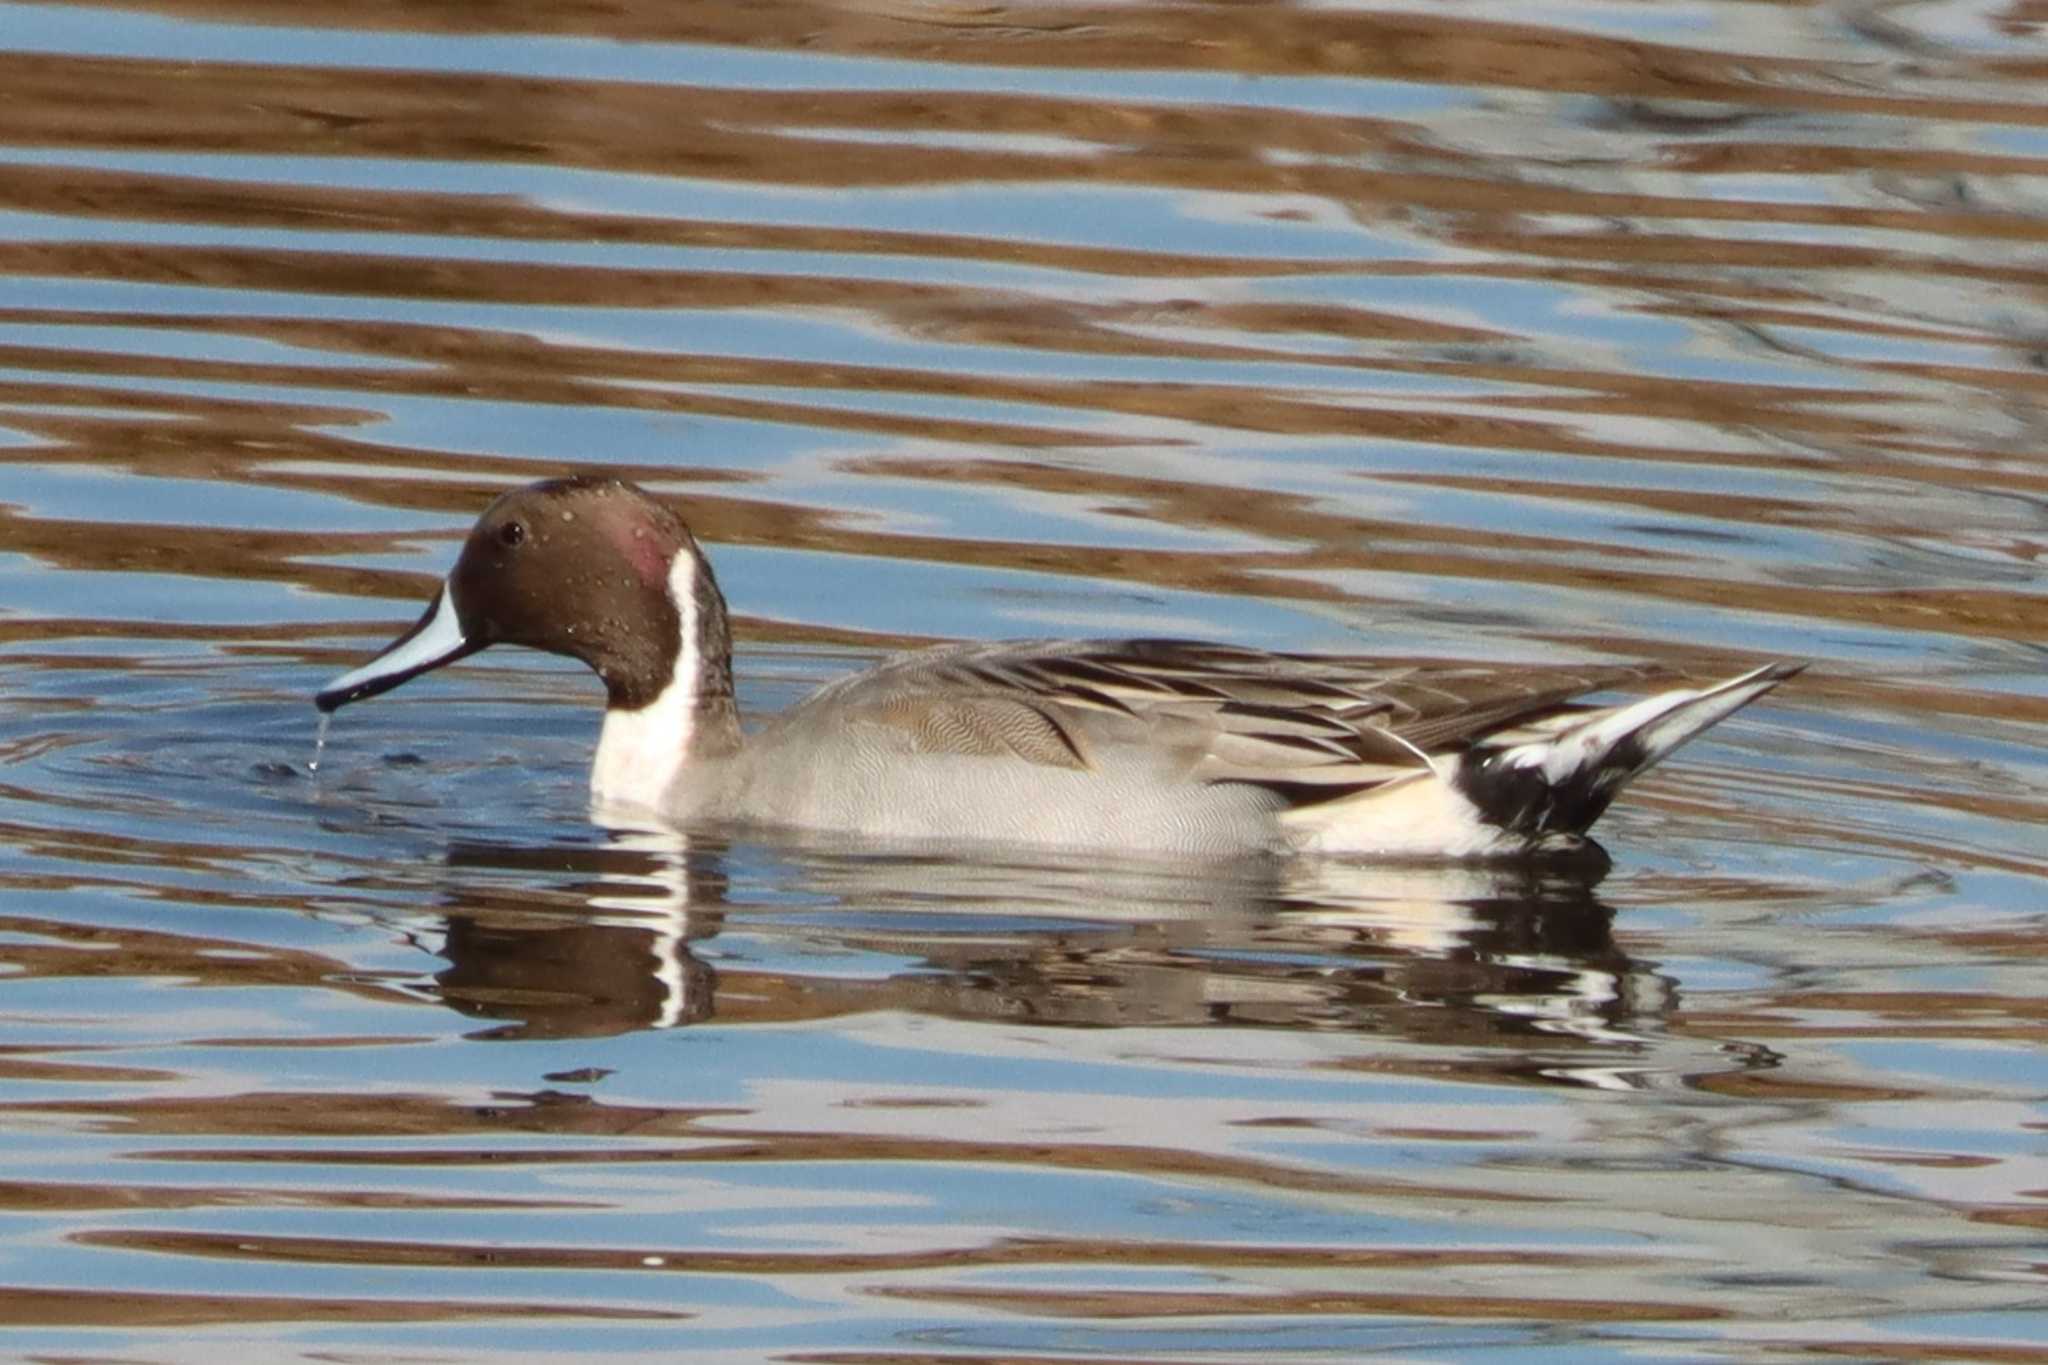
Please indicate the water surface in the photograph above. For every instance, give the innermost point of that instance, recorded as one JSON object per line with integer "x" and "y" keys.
{"x": 1691, "y": 333}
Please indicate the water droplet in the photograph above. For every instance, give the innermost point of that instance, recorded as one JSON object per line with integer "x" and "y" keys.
{"x": 320, "y": 741}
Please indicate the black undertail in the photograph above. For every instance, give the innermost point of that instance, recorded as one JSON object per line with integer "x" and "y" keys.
{"x": 1520, "y": 799}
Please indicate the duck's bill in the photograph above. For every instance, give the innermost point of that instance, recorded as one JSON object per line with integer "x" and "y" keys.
{"x": 435, "y": 640}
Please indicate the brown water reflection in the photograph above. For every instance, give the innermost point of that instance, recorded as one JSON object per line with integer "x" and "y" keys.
{"x": 1686, "y": 333}
{"x": 151, "y": 1312}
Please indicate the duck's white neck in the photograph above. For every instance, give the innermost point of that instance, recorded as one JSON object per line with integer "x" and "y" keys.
{"x": 640, "y": 752}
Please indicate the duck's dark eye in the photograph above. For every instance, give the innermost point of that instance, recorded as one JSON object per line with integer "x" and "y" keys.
{"x": 511, "y": 533}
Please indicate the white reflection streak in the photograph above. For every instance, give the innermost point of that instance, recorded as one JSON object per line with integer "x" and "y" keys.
{"x": 658, "y": 905}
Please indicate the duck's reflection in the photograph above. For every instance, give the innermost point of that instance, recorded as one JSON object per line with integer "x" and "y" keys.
{"x": 595, "y": 946}
{"x": 584, "y": 941}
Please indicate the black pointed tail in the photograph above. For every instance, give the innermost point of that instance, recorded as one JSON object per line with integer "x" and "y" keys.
{"x": 1561, "y": 783}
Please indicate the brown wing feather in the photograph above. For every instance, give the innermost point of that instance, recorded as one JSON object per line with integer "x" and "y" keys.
{"x": 1312, "y": 725}
{"x": 1453, "y": 706}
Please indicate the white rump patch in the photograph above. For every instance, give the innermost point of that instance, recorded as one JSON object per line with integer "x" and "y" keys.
{"x": 1420, "y": 817}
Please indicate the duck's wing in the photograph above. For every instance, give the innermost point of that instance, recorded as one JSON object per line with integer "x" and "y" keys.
{"x": 1314, "y": 726}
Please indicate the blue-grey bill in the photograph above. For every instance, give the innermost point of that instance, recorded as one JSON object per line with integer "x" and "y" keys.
{"x": 434, "y": 640}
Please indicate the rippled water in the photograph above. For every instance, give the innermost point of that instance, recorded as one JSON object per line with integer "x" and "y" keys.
{"x": 1691, "y": 332}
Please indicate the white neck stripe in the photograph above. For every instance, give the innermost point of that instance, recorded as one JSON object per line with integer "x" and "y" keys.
{"x": 640, "y": 752}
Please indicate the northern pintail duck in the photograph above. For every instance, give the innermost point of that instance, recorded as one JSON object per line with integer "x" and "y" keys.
{"x": 1159, "y": 745}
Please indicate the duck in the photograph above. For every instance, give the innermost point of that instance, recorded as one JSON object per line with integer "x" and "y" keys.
{"x": 1159, "y": 746}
